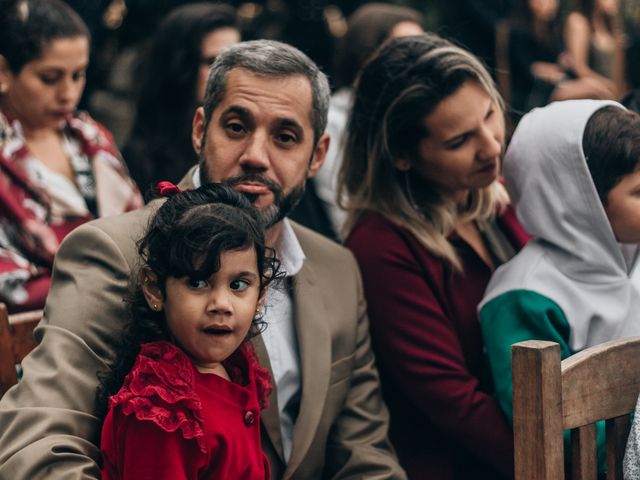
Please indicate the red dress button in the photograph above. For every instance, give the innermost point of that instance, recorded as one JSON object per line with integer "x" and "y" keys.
{"x": 249, "y": 418}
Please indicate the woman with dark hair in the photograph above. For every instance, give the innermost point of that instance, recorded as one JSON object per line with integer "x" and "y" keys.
{"x": 430, "y": 222}
{"x": 58, "y": 168}
{"x": 368, "y": 28}
{"x": 172, "y": 75}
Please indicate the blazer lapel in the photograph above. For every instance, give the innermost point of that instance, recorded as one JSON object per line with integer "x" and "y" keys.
{"x": 315, "y": 360}
{"x": 270, "y": 416}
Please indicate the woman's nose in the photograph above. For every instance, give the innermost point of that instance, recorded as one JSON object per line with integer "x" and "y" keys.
{"x": 491, "y": 143}
{"x": 69, "y": 91}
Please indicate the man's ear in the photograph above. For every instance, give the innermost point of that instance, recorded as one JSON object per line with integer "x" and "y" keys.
{"x": 150, "y": 289}
{"x": 197, "y": 129}
{"x": 319, "y": 154}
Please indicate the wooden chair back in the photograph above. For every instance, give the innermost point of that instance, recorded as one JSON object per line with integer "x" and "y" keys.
{"x": 549, "y": 396}
{"x": 16, "y": 341}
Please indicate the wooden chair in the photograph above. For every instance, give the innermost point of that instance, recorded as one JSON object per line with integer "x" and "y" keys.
{"x": 16, "y": 341}
{"x": 549, "y": 396}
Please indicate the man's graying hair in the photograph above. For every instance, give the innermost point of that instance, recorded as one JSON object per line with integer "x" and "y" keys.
{"x": 271, "y": 59}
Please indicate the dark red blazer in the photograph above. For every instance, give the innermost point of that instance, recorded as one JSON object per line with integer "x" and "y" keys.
{"x": 426, "y": 336}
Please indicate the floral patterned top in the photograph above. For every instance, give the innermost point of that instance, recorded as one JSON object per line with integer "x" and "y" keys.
{"x": 37, "y": 203}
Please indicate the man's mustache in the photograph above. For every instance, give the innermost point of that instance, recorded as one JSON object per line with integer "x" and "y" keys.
{"x": 256, "y": 178}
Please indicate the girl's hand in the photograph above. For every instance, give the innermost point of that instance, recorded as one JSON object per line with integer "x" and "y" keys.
{"x": 39, "y": 239}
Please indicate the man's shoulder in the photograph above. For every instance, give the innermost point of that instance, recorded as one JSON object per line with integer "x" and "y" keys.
{"x": 122, "y": 230}
{"x": 317, "y": 246}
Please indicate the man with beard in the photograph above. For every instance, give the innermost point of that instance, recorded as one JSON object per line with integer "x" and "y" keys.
{"x": 261, "y": 130}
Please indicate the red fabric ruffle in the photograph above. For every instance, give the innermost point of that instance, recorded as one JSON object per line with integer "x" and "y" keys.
{"x": 159, "y": 388}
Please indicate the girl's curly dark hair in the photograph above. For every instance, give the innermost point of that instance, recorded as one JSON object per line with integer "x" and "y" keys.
{"x": 185, "y": 238}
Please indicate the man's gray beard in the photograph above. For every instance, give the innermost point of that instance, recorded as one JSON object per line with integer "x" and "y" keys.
{"x": 282, "y": 205}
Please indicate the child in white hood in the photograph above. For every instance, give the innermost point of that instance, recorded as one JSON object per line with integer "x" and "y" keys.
{"x": 573, "y": 173}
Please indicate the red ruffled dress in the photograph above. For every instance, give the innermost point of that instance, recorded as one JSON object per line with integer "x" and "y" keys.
{"x": 170, "y": 421}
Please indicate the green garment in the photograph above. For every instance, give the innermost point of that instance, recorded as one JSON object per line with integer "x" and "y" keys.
{"x": 516, "y": 316}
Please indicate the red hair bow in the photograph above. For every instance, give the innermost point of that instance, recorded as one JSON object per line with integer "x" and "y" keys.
{"x": 167, "y": 189}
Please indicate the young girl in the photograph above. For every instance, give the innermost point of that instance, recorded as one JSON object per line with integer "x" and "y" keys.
{"x": 189, "y": 405}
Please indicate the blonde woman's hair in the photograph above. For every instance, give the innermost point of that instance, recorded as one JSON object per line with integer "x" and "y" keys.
{"x": 402, "y": 84}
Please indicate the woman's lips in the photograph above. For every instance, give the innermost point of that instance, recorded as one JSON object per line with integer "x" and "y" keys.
{"x": 490, "y": 167}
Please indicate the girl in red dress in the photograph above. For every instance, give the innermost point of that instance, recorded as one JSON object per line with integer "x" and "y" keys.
{"x": 189, "y": 405}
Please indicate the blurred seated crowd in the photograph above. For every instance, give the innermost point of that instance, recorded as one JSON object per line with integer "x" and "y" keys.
{"x": 450, "y": 201}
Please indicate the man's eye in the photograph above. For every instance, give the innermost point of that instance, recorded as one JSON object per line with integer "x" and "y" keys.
{"x": 239, "y": 285}
{"x": 197, "y": 283}
{"x": 235, "y": 127}
{"x": 286, "y": 138}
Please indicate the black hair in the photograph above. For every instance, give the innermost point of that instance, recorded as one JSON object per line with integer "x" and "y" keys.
{"x": 27, "y": 28}
{"x": 611, "y": 145}
{"x": 185, "y": 238}
{"x": 160, "y": 147}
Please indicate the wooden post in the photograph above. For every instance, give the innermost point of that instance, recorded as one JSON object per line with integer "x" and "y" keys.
{"x": 537, "y": 411}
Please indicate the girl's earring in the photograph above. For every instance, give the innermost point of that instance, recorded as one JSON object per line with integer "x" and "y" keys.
{"x": 156, "y": 307}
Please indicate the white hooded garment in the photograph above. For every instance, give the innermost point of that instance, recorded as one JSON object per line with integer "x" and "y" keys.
{"x": 574, "y": 259}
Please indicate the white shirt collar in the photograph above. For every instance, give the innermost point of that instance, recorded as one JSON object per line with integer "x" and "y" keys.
{"x": 288, "y": 248}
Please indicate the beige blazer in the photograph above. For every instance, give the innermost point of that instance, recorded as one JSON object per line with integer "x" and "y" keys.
{"x": 48, "y": 426}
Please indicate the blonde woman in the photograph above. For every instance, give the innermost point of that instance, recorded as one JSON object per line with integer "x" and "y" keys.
{"x": 429, "y": 224}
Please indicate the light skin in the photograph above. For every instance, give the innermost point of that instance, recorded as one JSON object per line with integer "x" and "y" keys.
{"x": 40, "y": 96}
{"x": 461, "y": 151}
{"x": 578, "y": 34}
{"x": 462, "y": 148}
{"x": 623, "y": 208}
{"x": 405, "y": 29}
{"x": 210, "y": 318}
{"x": 543, "y": 10}
{"x": 212, "y": 44}
{"x": 48, "y": 88}
{"x": 262, "y": 126}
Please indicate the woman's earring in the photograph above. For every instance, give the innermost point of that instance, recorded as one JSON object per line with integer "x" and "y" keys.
{"x": 156, "y": 307}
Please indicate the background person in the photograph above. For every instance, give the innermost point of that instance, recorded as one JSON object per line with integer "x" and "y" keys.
{"x": 368, "y": 27}
{"x": 170, "y": 84}
{"x": 430, "y": 222}
{"x": 594, "y": 41}
{"x": 58, "y": 168}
